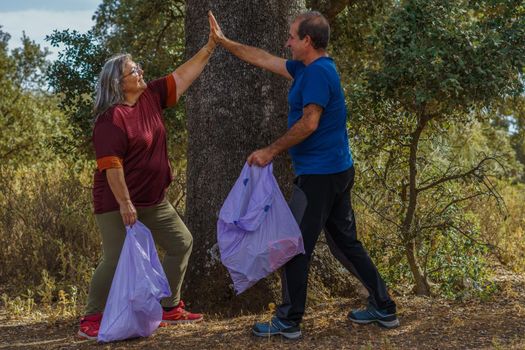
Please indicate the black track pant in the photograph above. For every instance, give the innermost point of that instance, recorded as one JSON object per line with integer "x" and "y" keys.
{"x": 323, "y": 202}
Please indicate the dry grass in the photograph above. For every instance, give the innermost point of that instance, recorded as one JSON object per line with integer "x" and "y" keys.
{"x": 426, "y": 323}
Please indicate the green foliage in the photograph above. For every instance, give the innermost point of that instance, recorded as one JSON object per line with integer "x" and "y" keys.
{"x": 351, "y": 37}
{"x": 73, "y": 76}
{"x": 152, "y": 31}
{"x": 28, "y": 65}
{"x": 30, "y": 122}
{"x": 444, "y": 56}
{"x": 459, "y": 264}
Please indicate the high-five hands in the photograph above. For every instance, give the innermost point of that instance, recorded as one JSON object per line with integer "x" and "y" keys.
{"x": 212, "y": 40}
{"x": 215, "y": 30}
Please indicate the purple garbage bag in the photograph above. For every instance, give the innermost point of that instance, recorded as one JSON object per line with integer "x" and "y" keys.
{"x": 256, "y": 231}
{"x": 133, "y": 306}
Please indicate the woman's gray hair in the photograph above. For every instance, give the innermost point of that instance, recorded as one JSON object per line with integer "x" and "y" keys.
{"x": 109, "y": 90}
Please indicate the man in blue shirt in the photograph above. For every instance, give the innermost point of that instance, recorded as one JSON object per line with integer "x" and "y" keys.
{"x": 318, "y": 144}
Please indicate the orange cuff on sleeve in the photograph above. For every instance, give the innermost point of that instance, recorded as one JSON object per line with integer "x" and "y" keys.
{"x": 171, "y": 99}
{"x": 108, "y": 163}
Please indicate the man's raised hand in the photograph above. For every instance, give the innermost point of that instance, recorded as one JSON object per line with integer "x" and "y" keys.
{"x": 216, "y": 31}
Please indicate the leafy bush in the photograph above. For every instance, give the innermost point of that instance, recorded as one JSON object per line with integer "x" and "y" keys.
{"x": 46, "y": 224}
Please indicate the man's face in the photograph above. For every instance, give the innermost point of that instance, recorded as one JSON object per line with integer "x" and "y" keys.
{"x": 296, "y": 45}
{"x": 132, "y": 78}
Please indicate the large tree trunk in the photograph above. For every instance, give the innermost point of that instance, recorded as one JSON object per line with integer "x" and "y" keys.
{"x": 232, "y": 109}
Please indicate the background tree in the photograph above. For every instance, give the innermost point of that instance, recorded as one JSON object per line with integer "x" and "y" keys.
{"x": 73, "y": 76}
{"x": 444, "y": 64}
{"x": 30, "y": 122}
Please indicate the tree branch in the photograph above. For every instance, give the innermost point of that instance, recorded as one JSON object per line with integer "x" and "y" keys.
{"x": 456, "y": 176}
{"x": 459, "y": 200}
{"x": 458, "y": 229}
{"x": 330, "y": 8}
{"x": 376, "y": 211}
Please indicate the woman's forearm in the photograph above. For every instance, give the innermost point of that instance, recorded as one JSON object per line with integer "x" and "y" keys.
{"x": 186, "y": 74}
{"x": 117, "y": 183}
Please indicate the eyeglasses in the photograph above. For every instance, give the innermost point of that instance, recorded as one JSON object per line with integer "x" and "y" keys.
{"x": 134, "y": 71}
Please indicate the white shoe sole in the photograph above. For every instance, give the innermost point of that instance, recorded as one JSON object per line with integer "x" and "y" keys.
{"x": 182, "y": 321}
{"x": 386, "y": 324}
{"x": 85, "y": 336}
{"x": 287, "y": 335}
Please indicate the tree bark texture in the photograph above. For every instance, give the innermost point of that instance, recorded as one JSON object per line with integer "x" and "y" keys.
{"x": 232, "y": 109}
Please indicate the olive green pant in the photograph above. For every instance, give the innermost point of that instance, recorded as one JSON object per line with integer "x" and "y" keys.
{"x": 168, "y": 231}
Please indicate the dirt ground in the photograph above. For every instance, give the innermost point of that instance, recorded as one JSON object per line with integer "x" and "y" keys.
{"x": 426, "y": 323}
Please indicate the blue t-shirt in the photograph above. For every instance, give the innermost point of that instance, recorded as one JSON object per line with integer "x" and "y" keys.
{"x": 326, "y": 150}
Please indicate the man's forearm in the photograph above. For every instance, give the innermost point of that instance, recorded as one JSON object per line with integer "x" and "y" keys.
{"x": 303, "y": 128}
{"x": 250, "y": 54}
{"x": 295, "y": 135}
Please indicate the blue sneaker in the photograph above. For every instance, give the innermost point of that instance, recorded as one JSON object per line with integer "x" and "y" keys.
{"x": 277, "y": 326}
{"x": 371, "y": 314}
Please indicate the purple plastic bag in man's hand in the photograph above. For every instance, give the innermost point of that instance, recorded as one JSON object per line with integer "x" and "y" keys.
{"x": 133, "y": 309}
{"x": 256, "y": 232}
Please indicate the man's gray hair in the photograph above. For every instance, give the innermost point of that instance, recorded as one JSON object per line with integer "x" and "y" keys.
{"x": 109, "y": 90}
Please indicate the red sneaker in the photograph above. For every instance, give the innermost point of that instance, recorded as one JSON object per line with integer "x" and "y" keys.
{"x": 179, "y": 315}
{"x": 89, "y": 326}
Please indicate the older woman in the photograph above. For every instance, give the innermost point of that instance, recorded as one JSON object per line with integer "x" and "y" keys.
{"x": 133, "y": 174}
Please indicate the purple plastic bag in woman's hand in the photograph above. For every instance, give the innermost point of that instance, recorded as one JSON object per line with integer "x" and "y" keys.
{"x": 132, "y": 308}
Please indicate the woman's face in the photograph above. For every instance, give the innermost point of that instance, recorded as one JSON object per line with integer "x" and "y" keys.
{"x": 132, "y": 78}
